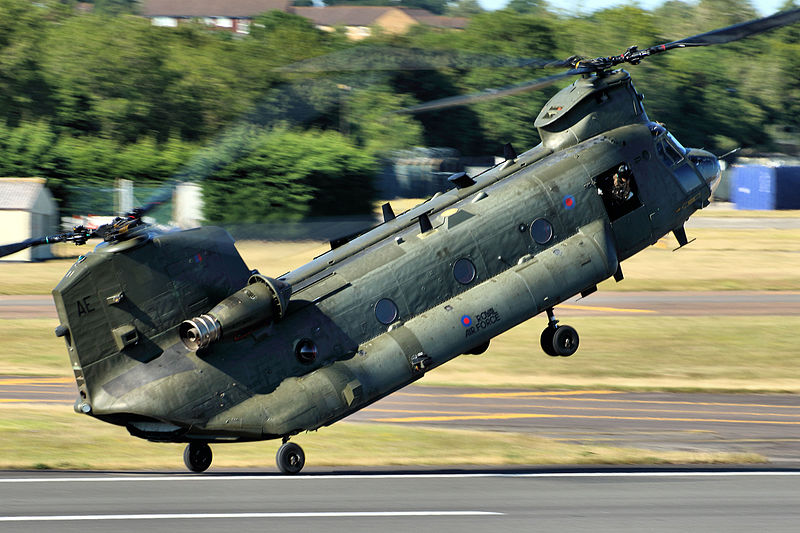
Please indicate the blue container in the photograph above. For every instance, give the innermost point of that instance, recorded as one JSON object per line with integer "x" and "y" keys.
{"x": 760, "y": 187}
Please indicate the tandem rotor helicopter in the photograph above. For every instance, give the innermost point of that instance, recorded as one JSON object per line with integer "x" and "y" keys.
{"x": 172, "y": 336}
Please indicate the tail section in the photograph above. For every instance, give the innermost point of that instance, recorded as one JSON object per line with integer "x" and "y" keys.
{"x": 120, "y": 306}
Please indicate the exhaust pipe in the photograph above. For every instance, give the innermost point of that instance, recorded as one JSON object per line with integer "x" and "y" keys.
{"x": 263, "y": 300}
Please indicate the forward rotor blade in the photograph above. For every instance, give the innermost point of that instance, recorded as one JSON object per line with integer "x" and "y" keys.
{"x": 391, "y": 58}
{"x": 491, "y": 94}
{"x": 738, "y": 31}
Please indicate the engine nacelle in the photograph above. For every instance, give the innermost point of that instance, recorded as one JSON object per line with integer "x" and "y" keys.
{"x": 262, "y": 300}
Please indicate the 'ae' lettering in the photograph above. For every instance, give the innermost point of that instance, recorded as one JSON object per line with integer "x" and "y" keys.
{"x": 84, "y": 306}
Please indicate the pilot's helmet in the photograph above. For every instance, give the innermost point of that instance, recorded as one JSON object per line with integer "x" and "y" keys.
{"x": 623, "y": 169}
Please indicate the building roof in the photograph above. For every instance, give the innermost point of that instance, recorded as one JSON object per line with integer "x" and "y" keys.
{"x": 368, "y": 15}
{"x": 210, "y": 8}
{"x": 20, "y": 193}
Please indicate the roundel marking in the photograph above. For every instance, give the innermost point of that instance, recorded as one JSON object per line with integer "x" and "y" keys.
{"x": 569, "y": 201}
{"x": 466, "y": 321}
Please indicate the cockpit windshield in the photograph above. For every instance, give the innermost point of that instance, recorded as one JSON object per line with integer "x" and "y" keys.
{"x": 676, "y": 143}
{"x": 673, "y": 154}
{"x": 670, "y": 150}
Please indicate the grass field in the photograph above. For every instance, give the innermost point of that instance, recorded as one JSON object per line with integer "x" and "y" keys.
{"x": 35, "y": 437}
{"x": 730, "y": 354}
{"x": 630, "y": 352}
{"x": 719, "y": 260}
{"x": 31, "y": 348}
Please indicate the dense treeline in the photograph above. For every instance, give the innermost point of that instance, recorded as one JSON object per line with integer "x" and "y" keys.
{"x": 89, "y": 97}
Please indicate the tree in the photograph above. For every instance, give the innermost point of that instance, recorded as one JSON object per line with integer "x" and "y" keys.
{"x": 464, "y": 8}
{"x": 25, "y": 150}
{"x": 23, "y": 92}
{"x": 529, "y": 7}
{"x": 290, "y": 175}
{"x": 506, "y": 34}
{"x": 116, "y": 7}
{"x": 110, "y": 77}
{"x": 372, "y": 124}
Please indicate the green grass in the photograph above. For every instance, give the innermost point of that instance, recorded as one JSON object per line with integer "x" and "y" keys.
{"x": 719, "y": 260}
{"x": 718, "y": 212}
{"x": 727, "y": 353}
{"x": 33, "y": 437}
{"x": 31, "y": 348}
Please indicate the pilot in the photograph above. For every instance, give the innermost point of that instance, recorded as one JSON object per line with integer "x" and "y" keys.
{"x": 621, "y": 184}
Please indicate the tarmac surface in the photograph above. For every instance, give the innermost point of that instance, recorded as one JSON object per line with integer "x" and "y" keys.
{"x": 565, "y": 500}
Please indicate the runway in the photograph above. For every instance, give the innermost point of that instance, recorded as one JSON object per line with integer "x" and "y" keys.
{"x": 677, "y": 303}
{"x": 500, "y": 501}
{"x": 747, "y": 423}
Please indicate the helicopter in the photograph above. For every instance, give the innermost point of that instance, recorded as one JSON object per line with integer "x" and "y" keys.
{"x": 173, "y": 337}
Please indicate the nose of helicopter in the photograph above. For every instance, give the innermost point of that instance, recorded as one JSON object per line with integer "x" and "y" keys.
{"x": 708, "y": 166}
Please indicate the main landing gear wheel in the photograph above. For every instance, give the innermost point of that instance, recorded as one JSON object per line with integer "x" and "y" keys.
{"x": 546, "y": 340}
{"x": 290, "y": 458}
{"x": 558, "y": 340}
{"x": 197, "y": 456}
{"x": 565, "y": 341}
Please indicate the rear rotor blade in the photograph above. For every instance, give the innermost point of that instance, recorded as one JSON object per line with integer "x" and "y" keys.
{"x": 78, "y": 235}
{"x": 491, "y": 94}
{"x": 8, "y": 249}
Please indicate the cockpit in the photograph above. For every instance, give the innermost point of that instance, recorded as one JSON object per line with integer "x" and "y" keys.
{"x": 691, "y": 167}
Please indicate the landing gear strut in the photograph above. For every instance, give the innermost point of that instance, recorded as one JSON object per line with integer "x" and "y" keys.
{"x": 558, "y": 340}
{"x": 290, "y": 458}
{"x": 197, "y": 456}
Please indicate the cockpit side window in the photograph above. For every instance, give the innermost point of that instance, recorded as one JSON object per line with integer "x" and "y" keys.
{"x": 687, "y": 177}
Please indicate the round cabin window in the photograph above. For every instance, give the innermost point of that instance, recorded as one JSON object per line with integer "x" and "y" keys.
{"x": 386, "y": 311}
{"x": 306, "y": 351}
{"x": 541, "y": 231}
{"x": 464, "y": 271}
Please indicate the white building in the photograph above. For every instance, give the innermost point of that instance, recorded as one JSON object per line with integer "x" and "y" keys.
{"x": 27, "y": 210}
{"x": 230, "y": 15}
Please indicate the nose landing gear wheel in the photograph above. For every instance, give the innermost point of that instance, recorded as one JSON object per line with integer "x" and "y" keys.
{"x": 290, "y": 458}
{"x": 197, "y": 456}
